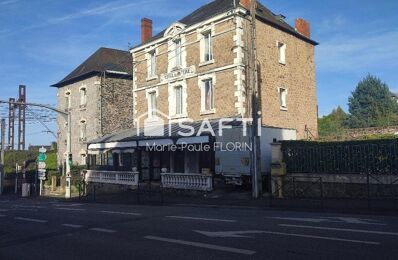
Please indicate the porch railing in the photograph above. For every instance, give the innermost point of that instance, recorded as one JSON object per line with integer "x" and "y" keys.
{"x": 112, "y": 177}
{"x": 187, "y": 181}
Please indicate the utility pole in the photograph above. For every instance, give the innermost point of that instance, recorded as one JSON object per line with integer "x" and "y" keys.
{"x": 255, "y": 166}
{"x": 11, "y": 124}
{"x": 2, "y": 167}
{"x": 21, "y": 117}
{"x": 68, "y": 139}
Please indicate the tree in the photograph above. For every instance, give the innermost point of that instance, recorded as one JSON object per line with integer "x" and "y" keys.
{"x": 332, "y": 124}
{"x": 371, "y": 105}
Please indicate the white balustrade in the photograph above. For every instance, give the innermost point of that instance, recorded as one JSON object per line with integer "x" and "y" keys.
{"x": 112, "y": 177}
{"x": 187, "y": 181}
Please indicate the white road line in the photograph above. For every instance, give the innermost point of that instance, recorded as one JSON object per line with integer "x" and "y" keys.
{"x": 121, "y": 213}
{"x": 103, "y": 230}
{"x": 343, "y": 229}
{"x": 203, "y": 245}
{"x": 71, "y": 209}
{"x": 31, "y": 220}
{"x": 72, "y": 225}
{"x": 204, "y": 219}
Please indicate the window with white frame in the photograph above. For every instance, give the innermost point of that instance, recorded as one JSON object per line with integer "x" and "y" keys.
{"x": 83, "y": 97}
{"x": 83, "y": 157}
{"x": 178, "y": 100}
{"x": 68, "y": 100}
{"x": 83, "y": 130}
{"x": 177, "y": 53}
{"x": 281, "y": 52}
{"x": 152, "y": 64}
{"x": 283, "y": 98}
{"x": 152, "y": 103}
{"x": 208, "y": 95}
{"x": 207, "y": 48}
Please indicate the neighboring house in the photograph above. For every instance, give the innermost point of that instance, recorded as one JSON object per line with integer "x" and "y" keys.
{"x": 197, "y": 69}
{"x": 98, "y": 95}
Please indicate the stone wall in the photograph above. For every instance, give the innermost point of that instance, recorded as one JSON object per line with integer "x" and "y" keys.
{"x": 116, "y": 104}
{"x": 297, "y": 76}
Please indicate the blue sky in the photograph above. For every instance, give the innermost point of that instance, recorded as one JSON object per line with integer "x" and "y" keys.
{"x": 43, "y": 40}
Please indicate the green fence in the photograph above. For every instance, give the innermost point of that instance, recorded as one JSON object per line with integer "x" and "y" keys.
{"x": 351, "y": 157}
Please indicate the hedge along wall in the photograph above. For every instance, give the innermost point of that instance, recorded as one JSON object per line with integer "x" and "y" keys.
{"x": 349, "y": 157}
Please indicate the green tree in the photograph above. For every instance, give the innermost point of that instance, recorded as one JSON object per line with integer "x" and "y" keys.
{"x": 371, "y": 105}
{"x": 332, "y": 124}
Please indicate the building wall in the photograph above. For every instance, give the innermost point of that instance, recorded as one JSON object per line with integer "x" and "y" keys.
{"x": 108, "y": 109}
{"x": 90, "y": 113}
{"x": 116, "y": 105}
{"x": 297, "y": 76}
{"x": 222, "y": 69}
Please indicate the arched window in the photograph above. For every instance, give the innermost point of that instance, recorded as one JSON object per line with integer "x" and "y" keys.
{"x": 83, "y": 130}
{"x": 68, "y": 100}
{"x": 83, "y": 97}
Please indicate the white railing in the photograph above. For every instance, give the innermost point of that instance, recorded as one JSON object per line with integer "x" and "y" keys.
{"x": 112, "y": 177}
{"x": 187, "y": 181}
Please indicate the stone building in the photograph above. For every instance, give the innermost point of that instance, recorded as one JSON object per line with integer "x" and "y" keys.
{"x": 98, "y": 95}
{"x": 196, "y": 69}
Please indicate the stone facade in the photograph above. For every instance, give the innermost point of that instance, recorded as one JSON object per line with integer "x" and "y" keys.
{"x": 108, "y": 108}
{"x": 228, "y": 70}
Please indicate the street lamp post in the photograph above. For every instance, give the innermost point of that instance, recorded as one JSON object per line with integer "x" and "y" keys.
{"x": 68, "y": 138}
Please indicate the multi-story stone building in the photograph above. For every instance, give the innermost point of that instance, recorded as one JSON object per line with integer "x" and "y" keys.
{"x": 197, "y": 70}
{"x": 98, "y": 95}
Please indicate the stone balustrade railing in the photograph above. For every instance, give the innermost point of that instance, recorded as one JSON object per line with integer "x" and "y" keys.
{"x": 112, "y": 177}
{"x": 187, "y": 181}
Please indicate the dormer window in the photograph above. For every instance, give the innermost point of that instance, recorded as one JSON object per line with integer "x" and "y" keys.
{"x": 177, "y": 53}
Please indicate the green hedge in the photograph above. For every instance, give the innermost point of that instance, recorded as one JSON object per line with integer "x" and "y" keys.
{"x": 354, "y": 157}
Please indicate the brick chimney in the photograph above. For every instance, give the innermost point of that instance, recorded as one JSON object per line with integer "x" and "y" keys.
{"x": 245, "y": 4}
{"x": 146, "y": 29}
{"x": 303, "y": 27}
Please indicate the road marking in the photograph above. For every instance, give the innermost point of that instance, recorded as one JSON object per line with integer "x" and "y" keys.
{"x": 31, "y": 220}
{"x": 204, "y": 219}
{"x": 103, "y": 230}
{"x": 203, "y": 245}
{"x": 343, "y": 229}
{"x": 239, "y": 234}
{"x": 348, "y": 220}
{"x": 2, "y": 215}
{"x": 72, "y": 225}
{"x": 71, "y": 209}
{"x": 121, "y": 213}
{"x": 4, "y": 210}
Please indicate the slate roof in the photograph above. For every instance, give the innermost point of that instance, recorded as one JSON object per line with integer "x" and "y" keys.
{"x": 217, "y": 7}
{"x": 104, "y": 59}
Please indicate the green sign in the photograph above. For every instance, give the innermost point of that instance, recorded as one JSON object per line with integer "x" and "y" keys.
{"x": 42, "y": 157}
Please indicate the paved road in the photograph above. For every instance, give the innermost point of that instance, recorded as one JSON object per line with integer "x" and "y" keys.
{"x": 36, "y": 229}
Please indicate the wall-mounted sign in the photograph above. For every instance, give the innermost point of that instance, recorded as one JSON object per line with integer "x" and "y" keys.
{"x": 179, "y": 73}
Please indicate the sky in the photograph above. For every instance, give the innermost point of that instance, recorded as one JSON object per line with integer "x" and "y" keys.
{"x": 41, "y": 41}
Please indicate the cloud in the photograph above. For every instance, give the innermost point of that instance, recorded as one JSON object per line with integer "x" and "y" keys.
{"x": 353, "y": 53}
{"x": 331, "y": 23}
{"x": 8, "y": 2}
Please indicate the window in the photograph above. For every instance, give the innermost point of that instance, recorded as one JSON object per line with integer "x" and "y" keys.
{"x": 68, "y": 100}
{"x": 208, "y": 52}
{"x": 152, "y": 64}
{"x": 83, "y": 129}
{"x": 83, "y": 97}
{"x": 281, "y": 52}
{"x": 179, "y": 100}
{"x": 208, "y": 95}
{"x": 83, "y": 157}
{"x": 282, "y": 98}
{"x": 177, "y": 53}
{"x": 152, "y": 104}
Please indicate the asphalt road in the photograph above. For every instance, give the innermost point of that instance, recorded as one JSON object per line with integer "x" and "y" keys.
{"x": 37, "y": 229}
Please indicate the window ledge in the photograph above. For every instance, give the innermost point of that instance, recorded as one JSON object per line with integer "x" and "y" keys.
{"x": 205, "y": 63}
{"x": 152, "y": 78}
{"x": 207, "y": 112}
{"x": 179, "y": 116}
{"x": 283, "y": 108}
{"x": 282, "y": 62}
